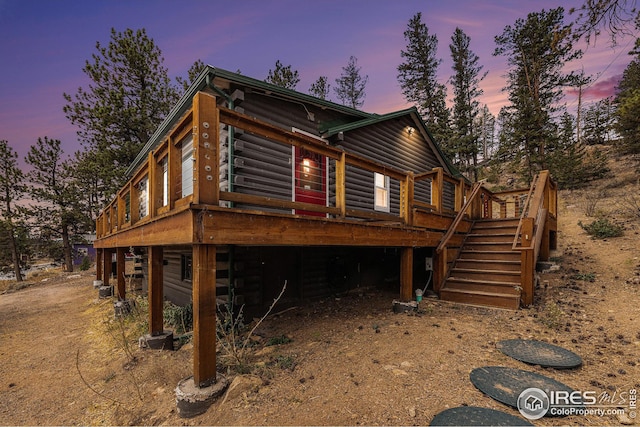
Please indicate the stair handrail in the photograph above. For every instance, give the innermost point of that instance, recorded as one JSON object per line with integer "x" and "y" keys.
{"x": 525, "y": 212}
{"x": 456, "y": 222}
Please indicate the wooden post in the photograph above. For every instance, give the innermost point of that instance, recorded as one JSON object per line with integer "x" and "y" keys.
{"x": 527, "y": 267}
{"x": 459, "y": 196}
{"x": 120, "y": 268}
{"x": 406, "y": 199}
{"x": 406, "y": 274}
{"x": 437, "y": 189}
{"x": 439, "y": 268}
{"x": 206, "y": 187}
{"x": 134, "y": 203}
{"x": 156, "y": 292}
{"x": 527, "y": 278}
{"x": 204, "y": 315}
{"x": 106, "y": 271}
{"x": 341, "y": 194}
{"x": 99, "y": 263}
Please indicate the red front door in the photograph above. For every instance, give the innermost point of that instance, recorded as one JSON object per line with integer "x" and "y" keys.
{"x": 310, "y": 180}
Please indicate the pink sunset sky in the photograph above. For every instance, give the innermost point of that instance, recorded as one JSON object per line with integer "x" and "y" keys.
{"x": 44, "y": 45}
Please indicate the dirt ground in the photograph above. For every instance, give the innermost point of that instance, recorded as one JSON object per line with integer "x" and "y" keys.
{"x": 348, "y": 360}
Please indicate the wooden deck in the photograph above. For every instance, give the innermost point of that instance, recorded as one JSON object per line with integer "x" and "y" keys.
{"x": 150, "y": 211}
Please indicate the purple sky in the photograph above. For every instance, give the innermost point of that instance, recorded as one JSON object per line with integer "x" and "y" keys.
{"x": 44, "y": 45}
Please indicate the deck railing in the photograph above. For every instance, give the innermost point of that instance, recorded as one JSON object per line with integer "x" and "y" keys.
{"x": 156, "y": 189}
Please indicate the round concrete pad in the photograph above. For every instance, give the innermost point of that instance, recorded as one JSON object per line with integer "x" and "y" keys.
{"x": 505, "y": 384}
{"x": 540, "y": 353}
{"x": 475, "y": 416}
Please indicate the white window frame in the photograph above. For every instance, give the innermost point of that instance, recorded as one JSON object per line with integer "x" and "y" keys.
{"x": 381, "y": 192}
{"x": 164, "y": 164}
{"x": 187, "y": 165}
{"x": 143, "y": 197}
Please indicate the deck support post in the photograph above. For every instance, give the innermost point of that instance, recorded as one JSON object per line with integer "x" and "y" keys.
{"x": 120, "y": 269}
{"x": 439, "y": 268}
{"x": 99, "y": 263}
{"x": 204, "y": 315}
{"x": 106, "y": 266}
{"x": 406, "y": 274}
{"x": 156, "y": 297}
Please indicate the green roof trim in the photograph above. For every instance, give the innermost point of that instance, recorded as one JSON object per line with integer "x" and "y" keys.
{"x": 204, "y": 79}
{"x": 379, "y": 118}
{"x": 360, "y": 118}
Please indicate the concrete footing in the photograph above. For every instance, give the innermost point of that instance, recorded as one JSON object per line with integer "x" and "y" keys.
{"x": 105, "y": 291}
{"x": 192, "y": 401}
{"x": 122, "y": 307}
{"x": 401, "y": 307}
{"x": 163, "y": 341}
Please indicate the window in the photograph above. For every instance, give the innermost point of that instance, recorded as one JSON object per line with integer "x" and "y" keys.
{"x": 186, "y": 268}
{"x": 187, "y": 166}
{"x": 164, "y": 165}
{"x": 381, "y": 188}
{"x": 143, "y": 197}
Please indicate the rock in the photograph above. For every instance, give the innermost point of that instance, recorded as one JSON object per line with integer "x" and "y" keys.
{"x": 242, "y": 384}
{"x": 412, "y": 412}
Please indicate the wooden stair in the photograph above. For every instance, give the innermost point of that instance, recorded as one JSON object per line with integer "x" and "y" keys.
{"x": 487, "y": 271}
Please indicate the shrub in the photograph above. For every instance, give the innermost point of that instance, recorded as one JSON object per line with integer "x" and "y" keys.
{"x": 178, "y": 318}
{"x": 602, "y": 228}
{"x": 85, "y": 264}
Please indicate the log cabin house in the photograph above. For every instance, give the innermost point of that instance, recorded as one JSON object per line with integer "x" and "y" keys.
{"x": 246, "y": 185}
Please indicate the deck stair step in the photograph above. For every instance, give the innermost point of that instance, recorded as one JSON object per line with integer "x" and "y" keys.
{"x": 487, "y": 270}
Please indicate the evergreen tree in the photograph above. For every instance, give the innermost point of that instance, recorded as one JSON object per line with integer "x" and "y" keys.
{"x": 614, "y": 16}
{"x": 350, "y": 85}
{"x": 571, "y": 164}
{"x": 283, "y": 76}
{"x": 465, "y": 81}
{"x": 597, "y": 122}
{"x": 129, "y": 95}
{"x": 486, "y": 122}
{"x": 628, "y": 108}
{"x": 11, "y": 191}
{"x": 52, "y": 186}
{"x": 192, "y": 73}
{"x": 536, "y": 53}
{"x": 320, "y": 88}
{"x": 417, "y": 76}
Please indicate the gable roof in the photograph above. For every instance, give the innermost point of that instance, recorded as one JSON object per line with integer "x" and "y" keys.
{"x": 212, "y": 77}
{"x": 419, "y": 123}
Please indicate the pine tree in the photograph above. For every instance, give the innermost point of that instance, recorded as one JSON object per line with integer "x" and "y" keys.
{"x": 11, "y": 191}
{"x": 628, "y": 108}
{"x": 417, "y": 76}
{"x": 283, "y": 76}
{"x": 192, "y": 73}
{"x": 597, "y": 122}
{"x": 52, "y": 185}
{"x": 350, "y": 85}
{"x": 320, "y": 88}
{"x": 129, "y": 95}
{"x": 536, "y": 52}
{"x": 465, "y": 81}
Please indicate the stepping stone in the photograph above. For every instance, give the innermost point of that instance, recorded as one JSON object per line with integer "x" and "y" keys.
{"x": 476, "y": 416}
{"x": 506, "y": 384}
{"x": 540, "y": 353}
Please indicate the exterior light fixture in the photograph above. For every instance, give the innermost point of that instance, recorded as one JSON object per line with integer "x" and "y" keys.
{"x": 410, "y": 130}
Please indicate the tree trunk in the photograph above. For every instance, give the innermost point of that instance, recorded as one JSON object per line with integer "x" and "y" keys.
{"x": 14, "y": 252}
{"x": 66, "y": 245}
{"x": 13, "y": 245}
